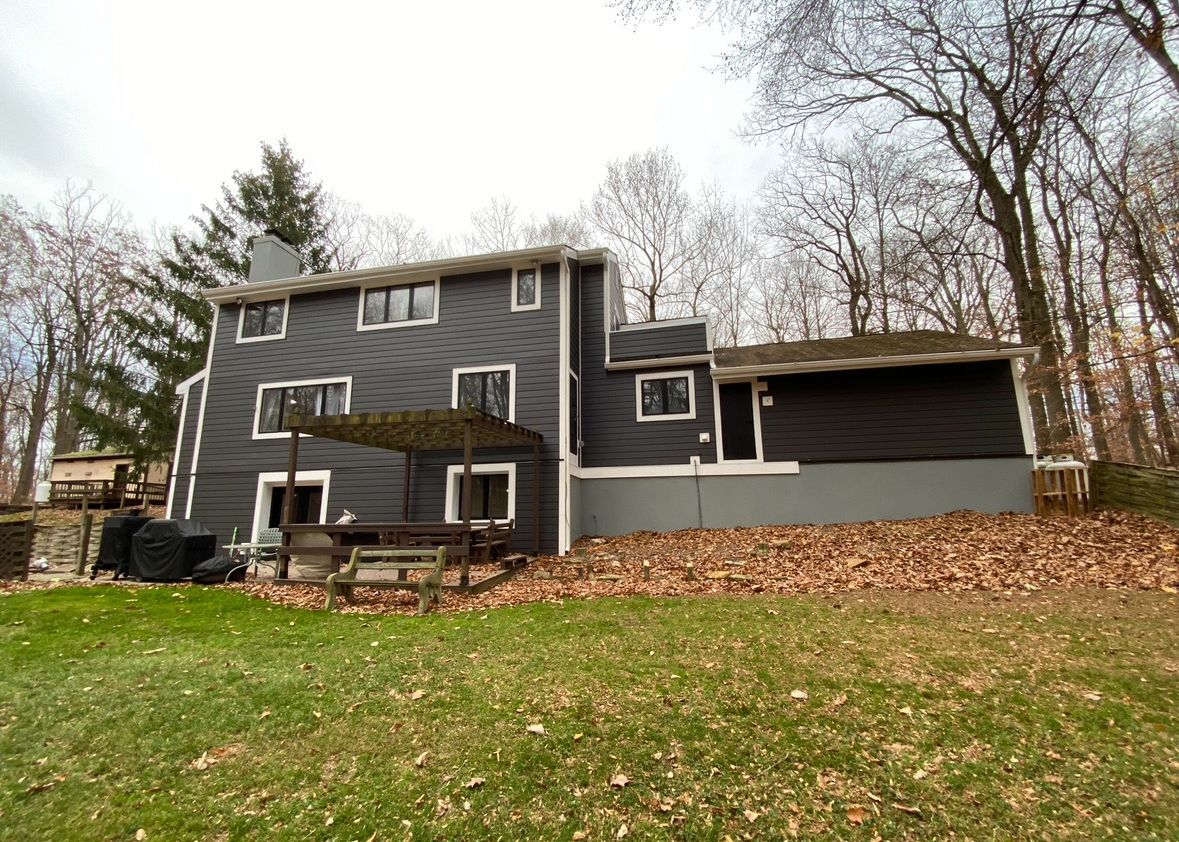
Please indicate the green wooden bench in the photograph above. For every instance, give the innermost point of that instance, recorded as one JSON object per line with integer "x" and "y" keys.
{"x": 412, "y": 558}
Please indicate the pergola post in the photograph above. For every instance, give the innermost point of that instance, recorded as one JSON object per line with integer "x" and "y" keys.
{"x": 405, "y": 486}
{"x": 289, "y": 500}
{"x": 536, "y": 498}
{"x": 468, "y": 447}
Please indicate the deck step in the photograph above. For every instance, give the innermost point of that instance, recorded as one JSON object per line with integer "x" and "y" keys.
{"x": 513, "y": 560}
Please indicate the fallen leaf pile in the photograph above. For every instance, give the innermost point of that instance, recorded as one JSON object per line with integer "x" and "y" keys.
{"x": 961, "y": 551}
{"x": 957, "y": 552}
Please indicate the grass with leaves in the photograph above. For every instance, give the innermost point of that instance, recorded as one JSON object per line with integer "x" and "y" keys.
{"x": 186, "y": 713}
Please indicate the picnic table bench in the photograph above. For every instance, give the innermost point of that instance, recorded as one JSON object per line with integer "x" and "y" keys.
{"x": 407, "y": 558}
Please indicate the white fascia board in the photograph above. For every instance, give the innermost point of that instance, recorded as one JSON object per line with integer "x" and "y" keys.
{"x": 748, "y": 371}
{"x": 690, "y": 320}
{"x": 725, "y": 469}
{"x": 265, "y": 290}
{"x": 659, "y": 362}
{"x": 184, "y": 385}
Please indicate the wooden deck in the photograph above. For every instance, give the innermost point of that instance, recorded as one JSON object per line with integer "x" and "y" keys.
{"x": 106, "y": 494}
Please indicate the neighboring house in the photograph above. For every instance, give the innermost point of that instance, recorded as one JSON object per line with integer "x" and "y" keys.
{"x": 102, "y": 466}
{"x": 645, "y": 426}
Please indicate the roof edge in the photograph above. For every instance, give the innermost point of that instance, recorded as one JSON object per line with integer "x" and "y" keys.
{"x": 740, "y": 372}
{"x": 324, "y": 281}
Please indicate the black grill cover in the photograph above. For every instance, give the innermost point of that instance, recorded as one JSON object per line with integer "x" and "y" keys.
{"x": 114, "y": 550}
{"x": 169, "y": 549}
{"x": 218, "y": 569}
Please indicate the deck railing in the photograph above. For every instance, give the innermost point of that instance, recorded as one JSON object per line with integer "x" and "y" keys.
{"x": 99, "y": 493}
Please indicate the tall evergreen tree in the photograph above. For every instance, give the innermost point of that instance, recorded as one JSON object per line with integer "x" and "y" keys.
{"x": 166, "y": 323}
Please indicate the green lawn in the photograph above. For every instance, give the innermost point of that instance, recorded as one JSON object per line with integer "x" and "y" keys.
{"x": 987, "y": 717}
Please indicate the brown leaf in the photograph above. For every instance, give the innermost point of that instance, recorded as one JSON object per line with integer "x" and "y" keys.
{"x": 474, "y": 783}
{"x": 912, "y": 811}
{"x": 856, "y": 815}
{"x": 421, "y": 759}
{"x": 799, "y": 695}
{"x": 619, "y": 780}
{"x": 416, "y": 694}
{"x": 536, "y": 728}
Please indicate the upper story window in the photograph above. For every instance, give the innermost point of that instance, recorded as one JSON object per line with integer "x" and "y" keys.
{"x": 398, "y": 306}
{"x": 491, "y": 389}
{"x": 526, "y": 289}
{"x": 262, "y": 320}
{"x": 666, "y": 396}
{"x": 278, "y": 401}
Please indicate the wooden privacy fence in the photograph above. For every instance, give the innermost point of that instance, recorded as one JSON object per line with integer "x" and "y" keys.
{"x": 1136, "y": 488}
{"x": 1060, "y": 491}
{"x": 16, "y": 541}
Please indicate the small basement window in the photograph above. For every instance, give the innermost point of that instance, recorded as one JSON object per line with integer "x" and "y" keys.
{"x": 666, "y": 396}
{"x": 399, "y": 306}
{"x": 262, "y": 320}
{"x": 525, "y": 289}
{"x": 493, "y": 492}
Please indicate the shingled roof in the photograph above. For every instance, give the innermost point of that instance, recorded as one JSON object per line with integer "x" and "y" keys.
{"x": 904, "y": 344}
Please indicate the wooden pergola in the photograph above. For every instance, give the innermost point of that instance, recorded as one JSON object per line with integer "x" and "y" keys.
{"x": 427, "y": 429}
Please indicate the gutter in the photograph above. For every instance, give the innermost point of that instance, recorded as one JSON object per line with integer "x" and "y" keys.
{"x": 260, "y": 290}
{"x": 748, "y": 371}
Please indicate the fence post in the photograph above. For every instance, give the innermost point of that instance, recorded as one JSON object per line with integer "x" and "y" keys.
{"x": 84, "y": 544}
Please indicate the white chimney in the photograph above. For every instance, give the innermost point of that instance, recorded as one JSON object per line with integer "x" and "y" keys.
{"x": 273, "y": 258}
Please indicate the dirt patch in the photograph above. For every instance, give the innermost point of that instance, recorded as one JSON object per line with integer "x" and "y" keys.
{"x": 955, "y": 553}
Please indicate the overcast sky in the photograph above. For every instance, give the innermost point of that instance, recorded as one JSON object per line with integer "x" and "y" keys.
{"x": 424, "y": 108}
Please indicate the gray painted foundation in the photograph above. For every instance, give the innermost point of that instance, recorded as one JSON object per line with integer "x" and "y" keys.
{"x": 819, "y": 493}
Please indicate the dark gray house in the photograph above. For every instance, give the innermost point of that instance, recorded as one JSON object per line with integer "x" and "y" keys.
{"x": 645, "y": 426}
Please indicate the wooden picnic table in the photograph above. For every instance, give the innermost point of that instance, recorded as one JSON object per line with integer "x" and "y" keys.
{"x": 464, "y": 542}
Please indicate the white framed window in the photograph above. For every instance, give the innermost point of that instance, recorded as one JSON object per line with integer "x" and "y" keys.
{"x": 263, "y": 321}
{"x": 493, "y": 492}
{"x": 491, "y": 388}
{"x": 276, "y": 401}
{"x": 665, "y": 396}
{"x": 526, "y": 289}
{"x": 398, "y": 305}
{"x": 311, "y": 488}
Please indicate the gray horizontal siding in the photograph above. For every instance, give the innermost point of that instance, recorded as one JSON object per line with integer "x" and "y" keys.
{"x": 392, "y": 370}
{"x": 913, "y": 412}
{"x": 612, "y": 435}
{"x": 654, "y": 342}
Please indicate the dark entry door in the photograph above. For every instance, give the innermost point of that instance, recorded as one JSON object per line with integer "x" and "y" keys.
{"x": 122, "y": 474}
{"x": 308, "y": 500}
{"x": 737, "y": 434}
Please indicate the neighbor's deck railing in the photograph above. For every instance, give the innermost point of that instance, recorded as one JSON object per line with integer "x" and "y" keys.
{"x": 107, "y": 492}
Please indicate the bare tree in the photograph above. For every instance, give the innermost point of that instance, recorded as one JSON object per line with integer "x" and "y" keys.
{"x": 359, "y": 239}
{"x": 977, "y": 78}
{"x": 647, "y": 216}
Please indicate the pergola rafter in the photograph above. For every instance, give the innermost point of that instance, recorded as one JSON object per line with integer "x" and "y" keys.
{"x": 424, "y": 429}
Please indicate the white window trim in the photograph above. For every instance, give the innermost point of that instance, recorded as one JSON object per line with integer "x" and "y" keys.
{"x": 519, "y": 308}
{"x": 241, "y": 320}
{"x": 433, "y": 320}
{"x": 454, "y": 504}
{"x": 317, "y": 381}
{"x": 269, "y": 480}
{"x": 640, "y": 379}
{"x": 757, "y": 387}
{"x": 480, "y": 369}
